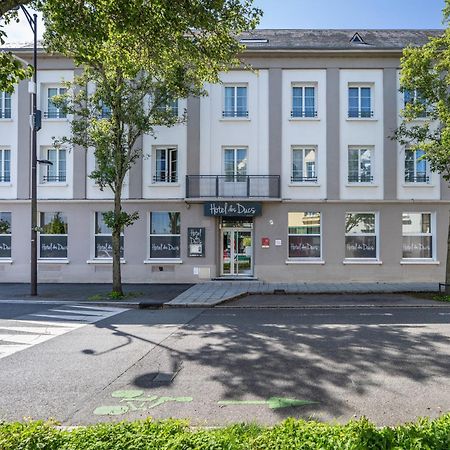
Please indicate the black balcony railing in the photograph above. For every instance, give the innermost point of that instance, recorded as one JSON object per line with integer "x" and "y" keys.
{"x": 308, "y": 112}
{"x": 235, "y": 113}
{"x": 5, "y": 114}
{"x": 54, "y": 178}
{"x": 418, "y": 178}
{"x": 360, "y": 178}
{"x": 163, "y": 178}
{"x": 359, "y": 113}
{"x": 55, "y": 114}
{"x": 233, "y": 186}
{"x": 5, "y": 178}
{"x": 300, "y": 179}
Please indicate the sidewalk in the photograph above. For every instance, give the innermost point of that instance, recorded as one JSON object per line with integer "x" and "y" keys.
{"x": 215, "y": 292}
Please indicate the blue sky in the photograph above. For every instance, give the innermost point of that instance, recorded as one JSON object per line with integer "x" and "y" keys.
{"x": 352, "y": 14}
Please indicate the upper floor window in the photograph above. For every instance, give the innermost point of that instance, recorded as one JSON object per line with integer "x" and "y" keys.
{"x": 360, "y": 102}
{"x": 53, "y": 111}
{"x": 360, "y": 165}
{"x": 105, "y": 111}
{"x": 5, "y": 235}
{"x": 417, "y": 235}
{"x": 170, "y": 106}
{"x": 165, "y": 166}
{"x": 360, "y": 235}
{"x": 303, "y": 101}
{"x": 56, "y": 171}
{"x": 412, "y": 98}
{"x": 235, "y": 104}
{"x": 103, "y": 239}
{"x": 5, "y": 165}
{"x": 304, "y": 235}
{"x": 235, "y": 164}
{"x": 303, "y": 165}
{"x": 5, "y": 105}
{"x": 416, "y": 166}
{"x": 53, "y": 235}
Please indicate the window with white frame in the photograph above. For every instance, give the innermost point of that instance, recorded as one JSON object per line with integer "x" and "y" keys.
{"x": 56, "y": 172}
{"x": 53, "y": 235}
{"x": 413, "y": 98}
{"x": 304, "y": 235}
{"x": 170, "y": 106}
{"x": 303, "y": 101}
{"x": 360, "y": 101}
{"x": 165, "y": 165}
{"x": 361, "y": 236}
{"x": 235, "y": 164}
{"x": 235, "y": 101}
{"x": 103, "y": 239}
{"x": 303, "y": 165}
{"x": 5, "y": 235}
{"x": 416, "y": 166}
{"x": 5, "y": 165}
{"x": 360, "y": 164}
{"x": 53, "y": 111}
{"x": 417, "y": 235}
{"x": 165, "y": 235}
{"x": 5, "y": 105}
{"x": 105, "y": 110}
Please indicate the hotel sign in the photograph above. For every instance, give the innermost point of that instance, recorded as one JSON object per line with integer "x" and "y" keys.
{"x": 233, "y": 209}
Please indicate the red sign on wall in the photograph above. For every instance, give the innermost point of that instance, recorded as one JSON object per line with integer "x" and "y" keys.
{"x": 265, "y": 242}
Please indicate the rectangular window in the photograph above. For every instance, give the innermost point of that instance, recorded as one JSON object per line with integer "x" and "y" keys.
{"x": 417, "y": 235}
{"x": 303, "y": 101}
{"x": 105, "y": 111}
{"x": 304, "y": 165}
{"x": 360, "y": 235}
{"x": 359, "y": 102}
{"x": 165, "y": 166}
{"x": 170, "y": 106}
{"x": 54, "y": 112}
{"x": 5, "y": 105}
{"x": 5, "y": 235}
{"x": 56, "y": 171}
{"x": 53, "y": 235}
{"x": 164, "y": 235}
{"x": 235, "y": 104}
{"x": 360, "y": 165}
{"x": 235, "y": 164}
{"x": 416, "y": 166}
{"x": 5, "y": 165}
{"x": 413, "y": 98}
{"x": 304, "y": 235}
{"x": 103, "y": 239}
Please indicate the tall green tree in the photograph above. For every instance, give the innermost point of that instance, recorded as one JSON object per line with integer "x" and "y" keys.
{"x": 139, "y": 55}
{"x": 426, "y": 70}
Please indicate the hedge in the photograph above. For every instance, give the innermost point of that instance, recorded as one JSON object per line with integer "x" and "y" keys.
{"x": 176, "y": 435}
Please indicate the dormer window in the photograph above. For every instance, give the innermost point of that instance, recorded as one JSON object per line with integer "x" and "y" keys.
{"x": 357, "y": 39}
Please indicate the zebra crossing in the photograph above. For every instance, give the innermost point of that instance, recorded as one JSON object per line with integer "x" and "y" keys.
{"x": 32, "y": 329}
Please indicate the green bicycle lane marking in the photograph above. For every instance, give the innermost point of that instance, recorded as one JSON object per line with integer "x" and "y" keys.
{"x": 135, "y": 400}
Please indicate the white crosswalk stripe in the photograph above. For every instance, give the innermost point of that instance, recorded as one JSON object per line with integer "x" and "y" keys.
{"x": 26, "y": 331}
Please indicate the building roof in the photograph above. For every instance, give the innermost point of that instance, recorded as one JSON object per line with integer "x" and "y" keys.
{"x": 272, "y": 39}
{"x": 316, "y": 39}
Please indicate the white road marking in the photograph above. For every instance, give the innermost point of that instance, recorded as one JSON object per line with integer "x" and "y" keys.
{"x": 29, "y": 330}
{"x": 370, "y": 314}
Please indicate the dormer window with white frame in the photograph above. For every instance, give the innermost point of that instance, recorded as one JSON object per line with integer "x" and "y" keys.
{"x": 304, "y": 103}
{"x": 360, "y": 101}
{"x": 235, "y": 101}
{"x": 52, "y": 111}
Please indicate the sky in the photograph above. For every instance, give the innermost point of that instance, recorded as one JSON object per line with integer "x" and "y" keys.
{"x": 353, "y": 14}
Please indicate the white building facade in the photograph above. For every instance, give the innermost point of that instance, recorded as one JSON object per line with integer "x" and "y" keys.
{"x": 286, "y": 173}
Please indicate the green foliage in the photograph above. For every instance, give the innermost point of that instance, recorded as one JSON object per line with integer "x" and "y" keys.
{"x": 57, "y": 225}
{"x": 442, "y": 298}
{"x": 175, "y": 434}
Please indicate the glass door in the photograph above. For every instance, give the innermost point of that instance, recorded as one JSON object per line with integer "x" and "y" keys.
{"x": 237, "y": 252}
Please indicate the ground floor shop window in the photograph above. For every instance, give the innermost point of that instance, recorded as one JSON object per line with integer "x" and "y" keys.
{"x": 417, "y": 234}
{"x": 360, "y": 236}
{"x": 304, "y": 235}
{"x": 164, "y": 235}
{"x": 103, "y": 238}
{"x": 5, "y": 235}
{"x": 53, "y": 235}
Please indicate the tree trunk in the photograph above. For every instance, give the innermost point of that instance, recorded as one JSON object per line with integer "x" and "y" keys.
{"x": 447, "y": 266}
{"x": 117, "y": 276}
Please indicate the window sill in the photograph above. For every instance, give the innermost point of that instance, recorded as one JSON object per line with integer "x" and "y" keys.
{"x": 5, "y": 184}
{"x": 357, "y": 185}
{"x": 362, "y": 119}
{"x": 362, "y": 261}
{"x": 6, "y": 120}
{"x": 162, "y": 184}
{"x": 163, "y": 261}
{"x": 304, "y": 261}
{"x": 54, "y": 184}
{"x": 234, "y": 119}
{"x": 6, "y": 261}
{"x": 418, "y": 185}
{"x": 65, "y": 119}
{"x": 304, "y": 119}
{"x": 301, "y": 184}
{"x": 418, "y": 261}
{"x": 53, "y": 261}
{"x": 104, "y": 261}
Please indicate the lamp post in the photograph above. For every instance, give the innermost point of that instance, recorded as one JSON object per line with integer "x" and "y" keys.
{"x": 36, "y": 126}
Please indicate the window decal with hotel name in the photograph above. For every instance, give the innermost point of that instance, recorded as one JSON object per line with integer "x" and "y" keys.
{"x": 162, "y": 247}
{"x": 232, "y": 209}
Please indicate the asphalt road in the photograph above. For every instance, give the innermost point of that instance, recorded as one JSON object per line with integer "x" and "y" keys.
{"x": 224, "y": 365}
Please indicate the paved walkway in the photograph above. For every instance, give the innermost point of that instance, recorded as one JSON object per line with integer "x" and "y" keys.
{"x": 215, "y": 292}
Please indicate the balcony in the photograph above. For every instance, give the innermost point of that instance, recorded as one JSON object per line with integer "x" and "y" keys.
{"x": 234, "y": 113}
{"x": 419, "y": 177}
{"x": 232, "y": 186}
{"x": 301, "y": 179}
{"x": 55, "y": 114}
{"x": 360, "y": 178}
{"x": 307, "y": 112}
{"x": 54, "y": 179}
{"x": 360, "y": 113}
